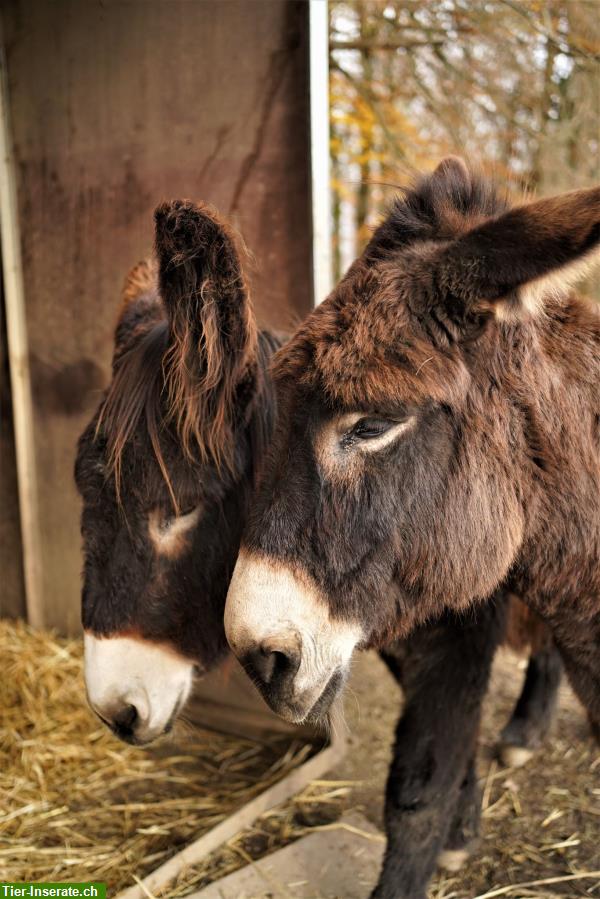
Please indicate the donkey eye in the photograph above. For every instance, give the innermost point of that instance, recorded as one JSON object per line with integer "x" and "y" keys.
{"x": 169, "y": 533}
{"x": 167, "y": 521}
{"x": 369, "y": 428}
{"x": 186, "y": 510}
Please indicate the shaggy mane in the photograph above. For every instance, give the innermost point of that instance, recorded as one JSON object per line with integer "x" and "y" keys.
{"x": 136, "y": 392}
{"x": 139, "y": 393}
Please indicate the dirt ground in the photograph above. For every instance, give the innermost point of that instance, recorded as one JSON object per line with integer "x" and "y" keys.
{"x": 540, "y": 822}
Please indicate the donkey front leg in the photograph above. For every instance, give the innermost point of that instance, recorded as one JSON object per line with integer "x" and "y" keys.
{"x": 445, "y": 671}
{"x": 464, "y": 829}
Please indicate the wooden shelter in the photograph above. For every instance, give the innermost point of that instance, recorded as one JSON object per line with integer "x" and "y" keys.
{"x": 107, "y": 109}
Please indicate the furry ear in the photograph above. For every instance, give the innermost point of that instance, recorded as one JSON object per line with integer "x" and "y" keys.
{"x": 516, "y": 260}
{"x": 200, "y": 275}
{"x": 454, "y": 174}
{"x": 140, "y": 281}
{"x": 213, "y": 340}
{"x": 139, "y": 304}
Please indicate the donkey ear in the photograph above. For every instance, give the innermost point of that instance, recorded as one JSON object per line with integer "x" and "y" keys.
{"x": 530, "y": 252}
{"x": 200, "y": 275}
{"x": 453, "y": 173}
{"x": 212, "y": 330}
{"x": 140, "y": 281}
{"x": 138, "y": 296}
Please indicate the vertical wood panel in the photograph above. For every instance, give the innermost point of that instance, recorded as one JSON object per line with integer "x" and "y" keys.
{"x": 12, "y": 588}
{"x": 24, "y": 457}
{"x": 116, "y": 106}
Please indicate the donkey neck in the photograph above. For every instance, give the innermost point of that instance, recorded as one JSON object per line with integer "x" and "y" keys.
{"x": 556, "y": 399}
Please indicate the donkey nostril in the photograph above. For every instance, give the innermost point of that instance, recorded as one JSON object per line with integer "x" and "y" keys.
{"x": 272, "y": 664}
{"x": 124, "y": 721}
{"x": 261, "y": 662}
{"x": 283, "y": 664}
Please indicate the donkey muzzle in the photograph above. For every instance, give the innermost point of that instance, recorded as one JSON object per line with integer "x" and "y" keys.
{"x": 278, "y": 624}
{"x": 136, "y": 687}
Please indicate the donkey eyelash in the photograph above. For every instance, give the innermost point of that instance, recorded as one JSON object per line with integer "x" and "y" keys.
{"x": 189, "y": 512}
{"x": 368, "y": 428}
{"x": 185, "y": 511}
{"x": 373, "y": 433}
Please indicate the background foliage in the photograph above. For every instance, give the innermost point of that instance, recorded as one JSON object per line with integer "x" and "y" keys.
{"x": 510, "y": 84}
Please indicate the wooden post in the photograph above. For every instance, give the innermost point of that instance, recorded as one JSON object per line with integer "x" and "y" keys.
{"x": 16, "y": 332}
{"x": 319, "y": 148}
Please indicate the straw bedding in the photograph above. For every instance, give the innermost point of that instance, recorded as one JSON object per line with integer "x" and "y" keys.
{"x": 77, "y": 804}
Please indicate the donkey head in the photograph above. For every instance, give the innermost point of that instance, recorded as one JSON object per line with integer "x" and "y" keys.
{"x": 162, "y": 469}
{"x": 396, "y": 486}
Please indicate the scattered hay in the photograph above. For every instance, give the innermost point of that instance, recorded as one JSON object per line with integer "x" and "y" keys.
{"x": 77, "y": 804}
{"x": 540, "y": 829}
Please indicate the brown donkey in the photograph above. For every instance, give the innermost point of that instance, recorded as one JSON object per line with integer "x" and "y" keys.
{"x": 437, "y": 445}
{"x": 164, "y": 470}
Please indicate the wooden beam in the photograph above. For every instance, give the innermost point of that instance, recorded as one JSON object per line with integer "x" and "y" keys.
{"x": 18, "y": 356}
{"x": 109, "y": 117}
{"x": 319, "y": 148}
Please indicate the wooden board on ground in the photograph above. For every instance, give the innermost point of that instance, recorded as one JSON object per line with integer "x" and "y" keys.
{"x": 341, "y": 862}
{"x": 288, "y": 786}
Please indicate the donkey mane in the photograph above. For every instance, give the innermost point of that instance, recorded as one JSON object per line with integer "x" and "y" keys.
{"x": 138, "y": 393}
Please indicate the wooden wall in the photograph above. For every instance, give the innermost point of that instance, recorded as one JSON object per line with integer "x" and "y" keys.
{"x": 116, "y": 105}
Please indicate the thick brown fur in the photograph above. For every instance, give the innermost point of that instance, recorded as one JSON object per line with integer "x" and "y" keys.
{"x": 456, "y": 331}
{"x": 497, "y": 482}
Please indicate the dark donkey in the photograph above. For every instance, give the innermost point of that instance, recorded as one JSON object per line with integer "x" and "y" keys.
{"x": 437, "y": 445}
{"x": 164, "y": 469}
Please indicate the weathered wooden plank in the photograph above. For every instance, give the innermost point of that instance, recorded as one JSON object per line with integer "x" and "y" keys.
{"x": 341, "y": 862}
{"x": 116, "y": 106}
{"x": 244, "y": 817}
{"x": 19, "y": 435}
{"x": 12, "y": 588}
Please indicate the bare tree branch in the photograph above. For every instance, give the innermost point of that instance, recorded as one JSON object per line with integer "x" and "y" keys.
{"x": 558, "y": 40}
{"x": 384, "y": 45}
